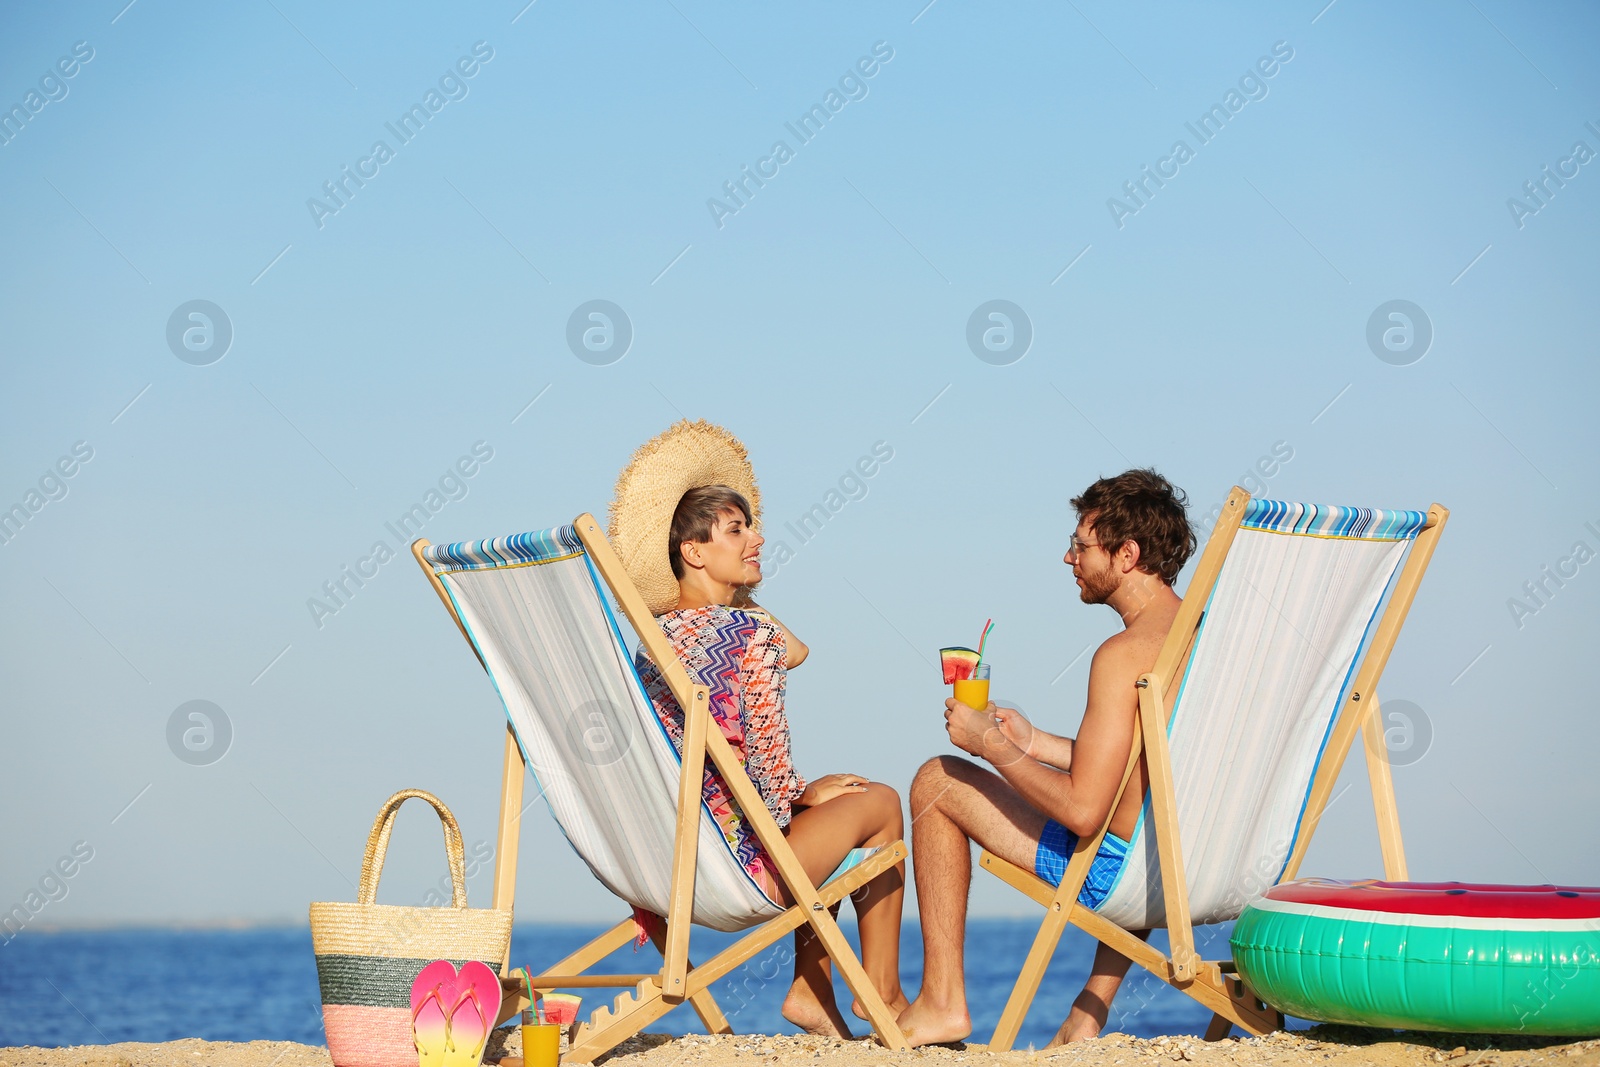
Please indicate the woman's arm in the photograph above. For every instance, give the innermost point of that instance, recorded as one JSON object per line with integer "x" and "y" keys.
{"x": 768, "y": 757}
{"x": 798, "y": 650}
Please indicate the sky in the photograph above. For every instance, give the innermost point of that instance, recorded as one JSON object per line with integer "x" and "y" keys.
{"x": 226, "y": 376}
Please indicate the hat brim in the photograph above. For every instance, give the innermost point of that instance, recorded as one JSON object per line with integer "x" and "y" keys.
{"x": 687, "y": 455}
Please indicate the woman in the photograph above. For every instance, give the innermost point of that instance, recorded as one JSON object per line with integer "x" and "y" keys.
{"x": 742, "y": 654}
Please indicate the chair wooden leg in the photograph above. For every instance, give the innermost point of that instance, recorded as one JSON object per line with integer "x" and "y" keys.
{"x": 855, "y": 978}
{"x": 704, "y": 1005}
{"x": 596, "y": 950}
{"x": 631, "y": 1012}
{"x": 1224, "y": 993}
{"x": 1234, "y": 1004}
{"x": 1379, "y": 774}
{"x": 1033, "y": 968}
{"x": 711, "y": 1016}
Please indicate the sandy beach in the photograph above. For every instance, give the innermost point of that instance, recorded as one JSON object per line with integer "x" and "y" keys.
{"x": 1331, "y": 1045}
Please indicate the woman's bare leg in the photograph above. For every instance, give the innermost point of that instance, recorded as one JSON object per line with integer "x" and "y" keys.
{"x": 810, "y": 1002}
{"x": 821, "y": 837}
{"x": 879, "y": 905}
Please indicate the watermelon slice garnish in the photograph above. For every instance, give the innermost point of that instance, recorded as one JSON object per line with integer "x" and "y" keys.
{"x": 561, "y": 1008}
{"x": 957, "y": 663}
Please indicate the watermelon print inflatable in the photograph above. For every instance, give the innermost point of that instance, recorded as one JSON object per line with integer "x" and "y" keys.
{"x": 1485, "y": 959}
{"x": 957, "y": 663}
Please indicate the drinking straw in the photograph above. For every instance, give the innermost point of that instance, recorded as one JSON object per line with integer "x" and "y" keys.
{"x": 987, "y": 626}
{"x": 534, "y": 1000}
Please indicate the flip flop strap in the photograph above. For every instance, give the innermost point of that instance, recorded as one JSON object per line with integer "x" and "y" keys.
{"x": 423, "y": 1003}
{"x": 477, "y": 1002}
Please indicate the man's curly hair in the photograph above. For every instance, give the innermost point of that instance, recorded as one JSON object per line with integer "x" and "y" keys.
{"x": 1143, "y": 507}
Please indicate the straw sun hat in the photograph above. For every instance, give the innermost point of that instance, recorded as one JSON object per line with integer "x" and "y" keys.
{"x": 687, "y": 455}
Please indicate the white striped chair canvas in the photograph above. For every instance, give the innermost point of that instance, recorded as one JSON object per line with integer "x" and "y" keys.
{"x": 536, "y": 611}
{"x": 546, "y": 613}
{"x": 1270, "y": 669}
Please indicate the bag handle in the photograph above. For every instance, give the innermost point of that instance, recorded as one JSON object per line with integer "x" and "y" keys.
{"x": 378, "y": 847}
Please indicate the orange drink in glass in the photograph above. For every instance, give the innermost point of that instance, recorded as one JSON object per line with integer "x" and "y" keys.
{"x": 974, "y": 691}
{"x": 541, "y": 1042}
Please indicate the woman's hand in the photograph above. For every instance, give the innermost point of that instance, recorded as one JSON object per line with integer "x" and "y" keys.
{"x": 821, "y": 790}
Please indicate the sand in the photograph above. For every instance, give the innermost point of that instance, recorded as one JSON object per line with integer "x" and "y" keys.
{"x": 1333, "y": 1046}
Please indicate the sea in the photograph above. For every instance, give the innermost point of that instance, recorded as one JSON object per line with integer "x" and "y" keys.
{"x": 101, "y": 986}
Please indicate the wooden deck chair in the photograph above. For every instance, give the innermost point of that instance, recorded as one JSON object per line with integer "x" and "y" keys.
{"x": 1270, "y": 668}
{"x": 534, "y": 609}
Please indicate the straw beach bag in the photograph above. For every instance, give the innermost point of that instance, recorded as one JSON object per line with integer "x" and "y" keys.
{"x": 368, "y": 954}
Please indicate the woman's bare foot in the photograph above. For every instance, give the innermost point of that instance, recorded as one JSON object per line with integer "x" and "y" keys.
{"x": 802, "y": 1008}
{"x": 925, "y": 1024}
{"x": 897, "y": 1006}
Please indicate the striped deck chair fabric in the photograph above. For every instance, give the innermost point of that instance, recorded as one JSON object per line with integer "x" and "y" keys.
{"x": 534, "y": 606}
{"x": 1292, "y": 611}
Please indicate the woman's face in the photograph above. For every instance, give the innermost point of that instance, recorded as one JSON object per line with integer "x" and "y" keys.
{"x": 733, "y": 555}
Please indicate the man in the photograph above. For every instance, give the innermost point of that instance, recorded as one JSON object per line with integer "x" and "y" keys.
{"x": 1045, "y": 791}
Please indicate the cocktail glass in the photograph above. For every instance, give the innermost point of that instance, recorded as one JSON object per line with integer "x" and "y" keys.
{"x": 541, "y": 1042}
{"x": 974, "y": 691}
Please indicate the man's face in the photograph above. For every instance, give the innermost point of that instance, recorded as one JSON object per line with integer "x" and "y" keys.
{"x": 1091, "y": 565}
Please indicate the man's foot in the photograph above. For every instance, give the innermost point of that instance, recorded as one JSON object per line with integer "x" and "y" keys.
{"x": 802, "y": 1008}
{"x": 924, "y": 1024}
{"x": 1081, "y": 1025}
{"x": 897, "y": 1006}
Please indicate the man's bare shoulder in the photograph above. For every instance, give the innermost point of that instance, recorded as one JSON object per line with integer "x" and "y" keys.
{"x": 1122, "y": 656}
{"x": 1129, "y": 653}
{"x": 1116, "y": 666}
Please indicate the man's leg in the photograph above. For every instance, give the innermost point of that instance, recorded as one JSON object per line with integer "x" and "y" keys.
{"x": 954, "y": 802}
{"x": 1093, "y": 1005}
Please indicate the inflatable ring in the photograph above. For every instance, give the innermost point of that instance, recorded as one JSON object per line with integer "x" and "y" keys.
{"x": 1427, "y": 955}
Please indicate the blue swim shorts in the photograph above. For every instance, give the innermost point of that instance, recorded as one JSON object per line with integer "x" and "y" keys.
{"x": 1056, "y": 845}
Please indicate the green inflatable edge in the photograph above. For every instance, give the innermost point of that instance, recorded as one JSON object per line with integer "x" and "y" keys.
{"x": 1398, "y": 976}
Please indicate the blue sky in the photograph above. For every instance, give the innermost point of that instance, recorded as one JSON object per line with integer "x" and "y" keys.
{"x": 1227, "y": 317}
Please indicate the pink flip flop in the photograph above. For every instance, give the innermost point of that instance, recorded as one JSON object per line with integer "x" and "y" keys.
{"x": 472, "y": 1015}
{"x": 432, "y": 993}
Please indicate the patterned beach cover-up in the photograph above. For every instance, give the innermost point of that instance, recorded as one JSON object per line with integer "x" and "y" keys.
{"x": 739, "y": 656}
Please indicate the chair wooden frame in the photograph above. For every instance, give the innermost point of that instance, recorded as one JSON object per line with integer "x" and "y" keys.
{"x": 651, "y": 996}
{"x": 1214, "y": 984}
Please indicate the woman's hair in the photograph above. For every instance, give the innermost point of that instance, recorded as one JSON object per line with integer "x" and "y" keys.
{"x": 1143, "y": 507}
{"x": 697, "y": 512}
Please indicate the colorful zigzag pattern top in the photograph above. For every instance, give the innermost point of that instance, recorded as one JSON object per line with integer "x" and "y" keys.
{"x": 739, "y": 657}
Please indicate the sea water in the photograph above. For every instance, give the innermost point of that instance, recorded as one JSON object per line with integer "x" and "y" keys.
{"x": 90, "y": 987}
